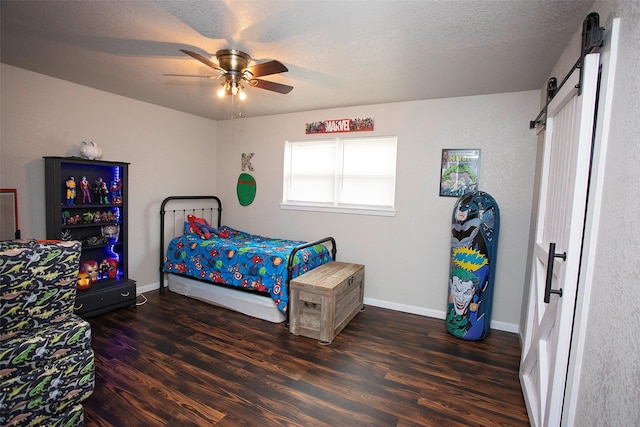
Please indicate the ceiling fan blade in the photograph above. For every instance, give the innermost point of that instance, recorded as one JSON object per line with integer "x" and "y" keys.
{"x": 266, "y": 68}
{"x": 272, "y": 86}
{"x": 204, "y": 60}
{"x": 191, "y": 75}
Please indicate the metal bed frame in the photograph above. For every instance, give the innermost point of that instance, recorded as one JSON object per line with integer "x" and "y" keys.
{"x": 210, "y": 212}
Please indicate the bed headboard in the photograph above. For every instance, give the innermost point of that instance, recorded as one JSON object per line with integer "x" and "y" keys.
{"x": 177, "y": 208}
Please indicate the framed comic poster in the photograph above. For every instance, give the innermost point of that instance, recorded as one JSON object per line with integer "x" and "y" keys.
{"x": 459, "y": 172}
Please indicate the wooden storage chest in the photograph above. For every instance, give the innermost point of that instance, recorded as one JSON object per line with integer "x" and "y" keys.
{"x": 324, "y": 300}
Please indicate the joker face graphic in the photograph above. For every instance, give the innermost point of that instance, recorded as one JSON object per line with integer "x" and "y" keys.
{"x": 461, "y": 293}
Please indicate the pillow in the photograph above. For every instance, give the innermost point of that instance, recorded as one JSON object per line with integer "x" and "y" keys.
{"x": 187, "y": 228}
{"x": 201, "y": 227}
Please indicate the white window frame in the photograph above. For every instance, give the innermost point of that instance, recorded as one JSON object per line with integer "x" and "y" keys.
{"x": 335, "y": 205}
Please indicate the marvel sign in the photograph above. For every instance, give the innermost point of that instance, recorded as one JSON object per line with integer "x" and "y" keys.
{"x": 340, "y": 125}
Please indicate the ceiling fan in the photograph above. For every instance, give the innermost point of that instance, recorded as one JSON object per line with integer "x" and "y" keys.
{"x": 235, "y": 70}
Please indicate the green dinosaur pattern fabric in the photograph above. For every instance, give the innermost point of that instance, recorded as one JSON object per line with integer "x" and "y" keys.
{"x": 52, "y": 388}
{"x": 46, "y": 360}
{"x": 25, "y": 351}
{"x": 37, "y": 283}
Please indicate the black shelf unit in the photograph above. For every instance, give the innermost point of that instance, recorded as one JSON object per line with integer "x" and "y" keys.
{"x": 101, "y": 227}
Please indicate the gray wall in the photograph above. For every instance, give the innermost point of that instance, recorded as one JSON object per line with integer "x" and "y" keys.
{"x": 44, "y": 116}
{"x": 609, "y": 381}
{"x": 406, "y": 257}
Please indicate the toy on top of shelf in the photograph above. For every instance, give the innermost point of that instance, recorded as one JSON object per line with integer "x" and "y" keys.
{"x": 90, "y": 150}
{"x": 85, "y": 187}
{"x": 71, "y": 190}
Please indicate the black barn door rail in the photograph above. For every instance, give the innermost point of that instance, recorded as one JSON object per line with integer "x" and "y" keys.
{"x": 592, "y": 37}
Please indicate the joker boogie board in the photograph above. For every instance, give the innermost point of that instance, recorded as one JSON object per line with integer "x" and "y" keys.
{"x": 474, "y": 244}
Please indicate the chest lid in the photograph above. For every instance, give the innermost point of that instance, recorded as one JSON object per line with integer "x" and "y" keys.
{"x": 328, "y": 275}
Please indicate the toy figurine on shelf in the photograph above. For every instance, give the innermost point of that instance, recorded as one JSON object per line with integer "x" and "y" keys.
{"x": 91, "y": 268}
{"x": 116, "y": 191}
{"x": 87, "y": 217}
{"x": 108, "y": 217}
{"x": 66, "y": 235}
{"x": 100, "y": 192}
{"x": 109, "y": 268}
{"x": 111, "y": 232}
{"x": 93, "y": 241}
{"x": 85, "y": 187}
{"x": 96, "y": 190}
{"x": 71, "y": 191}
{"x": 115, "y": 213}
{"x": 84, "y": 281}
{"x": 73, "y": 219}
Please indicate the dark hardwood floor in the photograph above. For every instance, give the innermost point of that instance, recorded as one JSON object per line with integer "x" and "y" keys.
{"x": 177, "y": 361}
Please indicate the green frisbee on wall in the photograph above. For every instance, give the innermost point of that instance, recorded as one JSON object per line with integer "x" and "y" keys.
{"x": 246, "y": 189}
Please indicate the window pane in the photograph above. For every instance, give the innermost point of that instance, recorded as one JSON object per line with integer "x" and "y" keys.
{"x": 311, "y": 172}
{"x": 368, "y": 192}
{"x": 368, "y": 172}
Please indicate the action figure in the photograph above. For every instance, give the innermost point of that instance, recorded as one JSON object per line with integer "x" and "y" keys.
{"x": 85, "y": 187}
{"x": 71, "y": 191}
{"x": 116, "y": 191}
{"x": 101, "y": 192}
{"x": 109, "y": 268}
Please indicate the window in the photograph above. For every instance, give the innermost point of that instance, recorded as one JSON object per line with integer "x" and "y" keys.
{"x": 341, "y": 174}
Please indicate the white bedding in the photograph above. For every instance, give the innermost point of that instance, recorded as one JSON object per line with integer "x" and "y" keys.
{"x": 262, "y": 307}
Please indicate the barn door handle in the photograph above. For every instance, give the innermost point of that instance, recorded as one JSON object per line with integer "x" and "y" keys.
{"x": 547, "y": 289}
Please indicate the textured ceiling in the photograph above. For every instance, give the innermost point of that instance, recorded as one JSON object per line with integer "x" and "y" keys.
{"x": 339, "y": 53}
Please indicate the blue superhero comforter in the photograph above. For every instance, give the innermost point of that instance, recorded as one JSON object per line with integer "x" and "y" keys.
{"x": 243, "y": 260}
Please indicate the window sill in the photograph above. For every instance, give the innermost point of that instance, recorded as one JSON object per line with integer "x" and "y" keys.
{"x": 339, "y": 209}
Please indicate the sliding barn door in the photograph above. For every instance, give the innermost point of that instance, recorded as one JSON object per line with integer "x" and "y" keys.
{"x": 558, "y": 242}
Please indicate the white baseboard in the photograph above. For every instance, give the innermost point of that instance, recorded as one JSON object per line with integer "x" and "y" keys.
{"x": 147, "y": 288}
{"x": 405, "y": 308}
{"x": 437, "y": 314}
{"x": 499, "y": 326}
{"x": 504, "y": 326}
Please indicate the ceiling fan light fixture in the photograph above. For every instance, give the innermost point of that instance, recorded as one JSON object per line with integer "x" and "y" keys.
{"x": 242, "y": 95}
{"x": 223, "y": 90}
{"x": 234, "y": 66}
